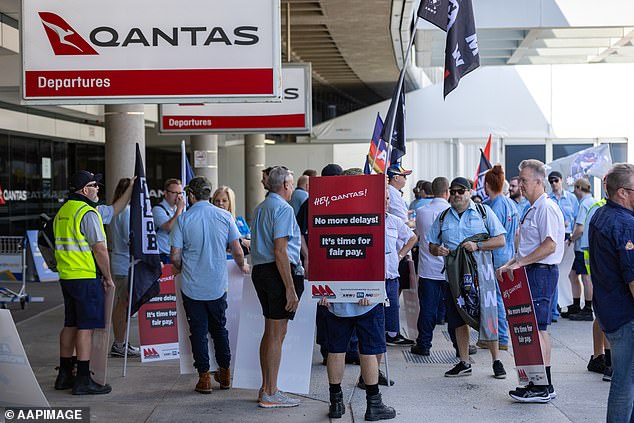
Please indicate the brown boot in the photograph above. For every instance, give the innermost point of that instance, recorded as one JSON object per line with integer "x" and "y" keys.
{"x": 204, "y": 383}
{"x": 223, "y": 377}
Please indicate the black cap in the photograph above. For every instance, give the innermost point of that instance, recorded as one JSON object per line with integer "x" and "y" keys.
{"x": 555, "y": 174}
{"x": 460, "y": 182}
{"x": 200, "y": 187}
{"x": 332, "y": 170}
{"x": 81, "y": 178}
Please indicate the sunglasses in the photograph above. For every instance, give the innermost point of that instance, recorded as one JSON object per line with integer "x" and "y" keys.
{"x": 459, "y": 191}
{"x": 552, "y": 181}
{"x": 92, "y": 185}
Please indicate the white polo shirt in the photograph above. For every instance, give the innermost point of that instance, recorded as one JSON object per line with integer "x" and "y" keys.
{"x": 429, "y": 266}
{"x": 397, "y": 205}
{"x": 542, "y": 220}
{"x": 397, "y": 233}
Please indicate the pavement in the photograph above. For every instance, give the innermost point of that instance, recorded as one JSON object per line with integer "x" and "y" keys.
{"x": 156, "y": 392}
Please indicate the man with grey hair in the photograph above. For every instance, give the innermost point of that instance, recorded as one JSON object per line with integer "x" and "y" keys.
{"x": 540, "y": 250}
{"x": 611, "y": 244}
{"x": 278, "y": 278}
{"x": 199, "y": 242}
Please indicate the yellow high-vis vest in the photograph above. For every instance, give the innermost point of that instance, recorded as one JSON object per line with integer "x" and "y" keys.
{"x": 72, "y": 251}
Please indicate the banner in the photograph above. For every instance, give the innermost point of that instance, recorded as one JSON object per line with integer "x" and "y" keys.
{"x": 346, "y": 242}
{"x": 523, "y": 330}
{"x": 297, "y": 350}
{"x": 158, "y": 323}
{"x": 290, "y": 116}
{"x": 95, "y": 52}
{"x": 18, "y": 385}
{"x": 594, "y": 161}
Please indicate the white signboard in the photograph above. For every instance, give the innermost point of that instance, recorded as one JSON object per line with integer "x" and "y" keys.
{"x": 292, "y": 115}
{"x": 153, "y": 51}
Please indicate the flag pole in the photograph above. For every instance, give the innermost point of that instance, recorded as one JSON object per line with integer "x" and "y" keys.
{"x": 398, "y": 87}
{"x": 127, "y": 332}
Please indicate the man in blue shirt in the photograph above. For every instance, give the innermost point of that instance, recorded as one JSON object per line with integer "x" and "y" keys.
{"x": 278, "y": 278}
{"x": 583, "y": 193}
{"x": 515, "y": 193}
{"x": 611, "y": 241}
{"x": 199, "y": 241}
{"x": 506, "y": 211}
{"x": 462, "y": 221}
{"x": 165, "y": 214}
{"x": 300, "y": 194}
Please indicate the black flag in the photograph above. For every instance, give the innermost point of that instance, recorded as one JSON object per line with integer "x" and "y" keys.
{"x": 461, "y": 49}
{"x": 435, "y": 12}
{"x": 395, "y": 119}
{"x": 143, "y": 243}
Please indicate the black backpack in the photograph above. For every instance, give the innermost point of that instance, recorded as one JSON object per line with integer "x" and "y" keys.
{"x": 46, "y": 241}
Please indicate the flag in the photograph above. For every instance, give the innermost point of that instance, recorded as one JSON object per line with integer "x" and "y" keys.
{"x": 143, "y": 243}
{"x": 483, "y": 166}
{"x": 593, "y": 161}
{"x": 396, "y": 121}
{"x": 435, "y": 12}
{"x": 461, "y": 48}
{"x": 377, "y": 156}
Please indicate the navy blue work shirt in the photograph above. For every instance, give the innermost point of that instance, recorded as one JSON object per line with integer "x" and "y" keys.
{"x": 612, "y": 265}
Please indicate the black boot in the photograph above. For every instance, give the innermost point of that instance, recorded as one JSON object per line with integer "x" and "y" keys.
{"x": 337, "y": 407}
{"x": 376, "y": 410}
{"x": 66, "y": 375}
{"x": 84, "y": 385}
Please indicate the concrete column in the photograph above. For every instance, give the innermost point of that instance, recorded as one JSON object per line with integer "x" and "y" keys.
{"x": 125, "y": 126}
{"x": 205, "y": 156}
{"x": 254, "y": 164}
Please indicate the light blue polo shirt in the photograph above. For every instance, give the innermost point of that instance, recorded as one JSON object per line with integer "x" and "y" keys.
{"x": 456, "y": 228}
{"x": 297, "y": 199}
{"x": 162, "y": 213}
{"x": 569, "y": 206}
{"x": 506, "y": 211}
{"x": 584, "y": 205}
{"x": 273, "y": 218}
{"x": 204, "y": 232}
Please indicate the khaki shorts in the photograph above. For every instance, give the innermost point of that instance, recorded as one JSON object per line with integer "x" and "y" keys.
{"x": 121, "y": 288}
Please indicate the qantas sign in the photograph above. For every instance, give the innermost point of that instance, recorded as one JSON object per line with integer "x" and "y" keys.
{"x": 87, "y": 51}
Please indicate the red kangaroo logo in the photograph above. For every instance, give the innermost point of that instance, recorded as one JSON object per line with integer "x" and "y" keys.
{"x": 63, "y": 38}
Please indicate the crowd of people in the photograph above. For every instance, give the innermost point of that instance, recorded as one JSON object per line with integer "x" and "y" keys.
{"x": 519, "y": 224}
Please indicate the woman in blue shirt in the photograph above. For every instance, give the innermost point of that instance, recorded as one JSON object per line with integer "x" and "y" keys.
{"x": 225, "y": 198}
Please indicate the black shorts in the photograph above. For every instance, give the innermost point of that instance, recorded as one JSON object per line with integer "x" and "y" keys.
{"x": 370, "y": 329}
{"x": 403, "y": 273}
{"x": 83, "y": 303}
{"x": 272, "y": 292}
{"x": 579, "y": 265}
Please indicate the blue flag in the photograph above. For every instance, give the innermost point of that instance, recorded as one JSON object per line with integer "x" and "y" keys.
{"x": 144, "y": 250}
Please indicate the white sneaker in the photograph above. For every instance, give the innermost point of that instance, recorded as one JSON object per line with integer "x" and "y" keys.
{"x": 118, "y": 350}
{"x": 277, "y": 400}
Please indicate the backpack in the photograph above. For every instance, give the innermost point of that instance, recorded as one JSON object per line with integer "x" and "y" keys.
{"x": 46, "y": 241}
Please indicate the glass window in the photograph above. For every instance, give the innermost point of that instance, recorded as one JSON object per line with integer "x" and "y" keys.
{"x": 514, "y": 154}
{"x": 563, "y": 150}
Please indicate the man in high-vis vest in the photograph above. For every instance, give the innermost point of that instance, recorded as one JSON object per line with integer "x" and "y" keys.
{"x": 84, "y": 271}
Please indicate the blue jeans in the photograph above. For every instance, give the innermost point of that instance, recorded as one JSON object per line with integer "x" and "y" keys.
{"x": 431, "y": 293}
{"x": 503, "y": 324}
{"x": 392, "y": 323}
{"x": 621, "y": 398}
{"x": 554, "y": 306}
{"x": 208, "y": 317}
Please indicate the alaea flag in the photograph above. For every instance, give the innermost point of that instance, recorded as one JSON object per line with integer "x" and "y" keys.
{"x": 461, "y": 48}
{"x": 435, "y": 12}
{"x": 377, "y": 156}
{"x": 144, "y": 250}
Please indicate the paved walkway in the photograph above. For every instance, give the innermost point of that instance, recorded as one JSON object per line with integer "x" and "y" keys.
{"x": 157, "y": 393}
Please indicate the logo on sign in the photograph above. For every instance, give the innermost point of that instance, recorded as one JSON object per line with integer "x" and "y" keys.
{"x": 64, "y": 40}
{"x": 150, "y": 353}
{"x": 521, "y": 373}
{"x": 323, "y": 291}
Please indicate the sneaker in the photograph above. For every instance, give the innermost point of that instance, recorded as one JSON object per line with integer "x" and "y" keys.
{"x": 596, "y": 365}
{"x": 498, "y": 370}
{"x": 260, "y": 393}
{"x": 572, "y": 309}
{"x": 460, "y": 369}
{"x": 418, "y": 350}
{"x": 398, "y": 341}
{"x": 584, "y": 315}
{"x": 118, "y": 350}
{"x": 607, "y": 374}
{"x": 277, "y": 400}
{"x": 531, "y": 393}
{"x": 552, "y": 392}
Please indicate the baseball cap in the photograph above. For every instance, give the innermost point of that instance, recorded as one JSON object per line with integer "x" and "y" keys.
{"x": 200, "y": 187}
{"x": 397, "y": 169}
{"x": 81, "y": 178}
{"x": 555, "y": 174}
{"x": 332, "y": 169}
{"x": 460, "y": 182}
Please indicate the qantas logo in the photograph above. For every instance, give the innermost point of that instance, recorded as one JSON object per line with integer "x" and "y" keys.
{"x": 150, "y": 353}
{"x": 63, "y": 38}
{"x": 320, "y": 291}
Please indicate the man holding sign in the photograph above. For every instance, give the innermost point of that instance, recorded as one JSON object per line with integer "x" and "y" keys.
{"x": 540, "y": 250}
